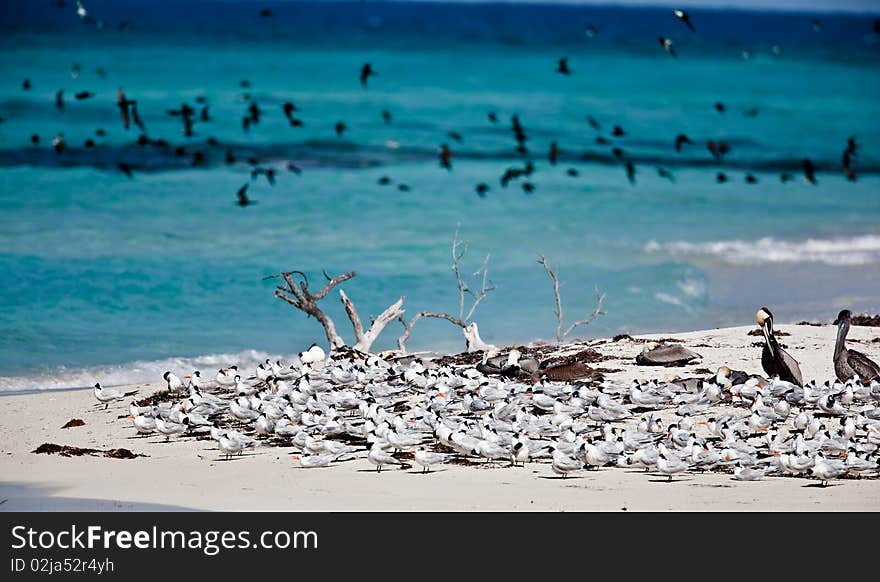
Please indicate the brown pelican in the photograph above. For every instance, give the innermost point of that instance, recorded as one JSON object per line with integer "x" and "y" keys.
{"x": 848, "y": 363}
{"x": 775, "y": 360}
{"x": 665, "y": 355}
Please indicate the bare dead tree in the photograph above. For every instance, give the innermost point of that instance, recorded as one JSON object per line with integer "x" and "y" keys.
{"x": 297, "y": 293}
{"x": 560, "y": 333}
{"x": 364, "y": 339}
{"x": 473, "y": 341}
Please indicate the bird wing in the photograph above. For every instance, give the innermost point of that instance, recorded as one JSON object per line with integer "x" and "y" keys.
{"x": 865, "y": 367}
{"x": 792, "y": 366}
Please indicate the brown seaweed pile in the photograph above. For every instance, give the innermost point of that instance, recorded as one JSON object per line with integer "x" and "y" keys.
{"x": 70, "y": 451}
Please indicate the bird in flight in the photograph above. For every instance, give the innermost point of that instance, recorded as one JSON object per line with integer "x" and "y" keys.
{"x": 562, "y": 66}
{"x": 685, "y": 18}
{"x": 366, "y": 72}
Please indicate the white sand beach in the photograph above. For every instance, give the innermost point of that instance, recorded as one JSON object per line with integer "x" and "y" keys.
{"x": 187, "y": 473}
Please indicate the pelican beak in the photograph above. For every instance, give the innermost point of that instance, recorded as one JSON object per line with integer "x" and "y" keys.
{"x": 703, "y": 422}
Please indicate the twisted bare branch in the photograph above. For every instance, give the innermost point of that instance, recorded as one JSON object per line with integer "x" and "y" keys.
{"x": 560, "y": 334}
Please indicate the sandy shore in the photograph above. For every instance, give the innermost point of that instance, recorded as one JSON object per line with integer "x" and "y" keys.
{"x": 188, "y": 473}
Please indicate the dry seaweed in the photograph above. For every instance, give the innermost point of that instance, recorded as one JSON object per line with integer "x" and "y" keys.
{"x": 70, "y": 451}
{"x": 776, "y": 333}
{"x": 587, "y": 356}
{"x": 74, "y": 422}
{"x": 865, "y": 320}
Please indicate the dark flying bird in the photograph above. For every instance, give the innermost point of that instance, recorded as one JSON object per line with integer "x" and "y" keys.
{"x": 125, "y": 169}
{"x": 685, "y": 18}
{"x": 268, "y": 172}
{"x": 404, "y": 187}
{"x": 84, "y": 95}
{"x": 481, "y": 189}
{"x": 513, "y": 173}
{"x": 720, "y": 107}
{"x": 366, "y": 72}
{"x": 123, "y": 103}
{"x": 291, "y": 167}
{"x": 59, "y": 144}
{"x": 809, "y": 171}
{"x": 340, "y": 128}
{"x": 553, "y": 155}
{"x": 572, "y": 172}
{"x": 562, "y": 66}
{"x": 680, "y": 140}
{"x": 631, "y": 172}
{"x": 664, "y": 173}
{"x": 618, "y": 131}
{"x": 243, "y": 199}
{"x": 751, "y": 179}
{"x": 445, "y": 157}
{"x": 593, "y": 123}
{"x": 721, "y": 177}
{"x": 384, "y": 181}
{"x": 493, "y": 117}
{"x": 26, "y": 84}
{"x": 59, "y": 100}
{"x": 455, "y": 135}
{"x": 528, "y": 187}
{"x": 666, "y": 43}
{"x": 386, "y": 116}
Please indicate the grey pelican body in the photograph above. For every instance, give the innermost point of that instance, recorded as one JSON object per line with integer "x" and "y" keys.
{"x": 665, "y": 355}
{"x": 775, "y": 360}
{"x": 849, "y": 363}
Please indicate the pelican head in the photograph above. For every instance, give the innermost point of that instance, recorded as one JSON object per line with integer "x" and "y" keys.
{"x": 763, "y": 315}
{"x": 844, "y": 315}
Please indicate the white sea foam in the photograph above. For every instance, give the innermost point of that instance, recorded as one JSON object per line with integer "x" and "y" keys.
{"x": 135, "y": 372}
{"x": 859, "y": 250}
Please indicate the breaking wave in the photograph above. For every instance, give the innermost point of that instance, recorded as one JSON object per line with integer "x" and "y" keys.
{"x": 137, "y": 372}
{"x": 859, "y": 250}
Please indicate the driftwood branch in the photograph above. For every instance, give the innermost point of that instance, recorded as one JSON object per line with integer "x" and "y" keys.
{"x": 469, "y": 329}
{"x": 364, "y": 339}
{"x": 295, "y": 291}
{"x": 560, "y": 334}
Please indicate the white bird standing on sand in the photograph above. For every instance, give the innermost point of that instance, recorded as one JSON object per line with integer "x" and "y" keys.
{"x": 379, "y": 456}
{"x": 169, "y": 428}
{"x": 668, "y": 463}
{"x": 108, "y": 395}
{"x": 193, "y": 381}
{"x": 827, "y": 470}
{"x": 564, "y": 464}
{"x": 314, "y": 355}
{"x": 173, "y": 382}
{"x": 143, "y": 424}
{"x": 429, "y": 458}
{"x": 226, "y": 376}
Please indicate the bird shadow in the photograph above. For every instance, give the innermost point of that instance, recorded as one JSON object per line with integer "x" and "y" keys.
{"x": 820, "y": 486}
{"x": 560, "y": 477}
{"x": 665, "y": 480}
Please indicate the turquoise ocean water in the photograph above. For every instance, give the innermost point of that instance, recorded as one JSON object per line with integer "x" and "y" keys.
{"x": 115, "y": 278}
